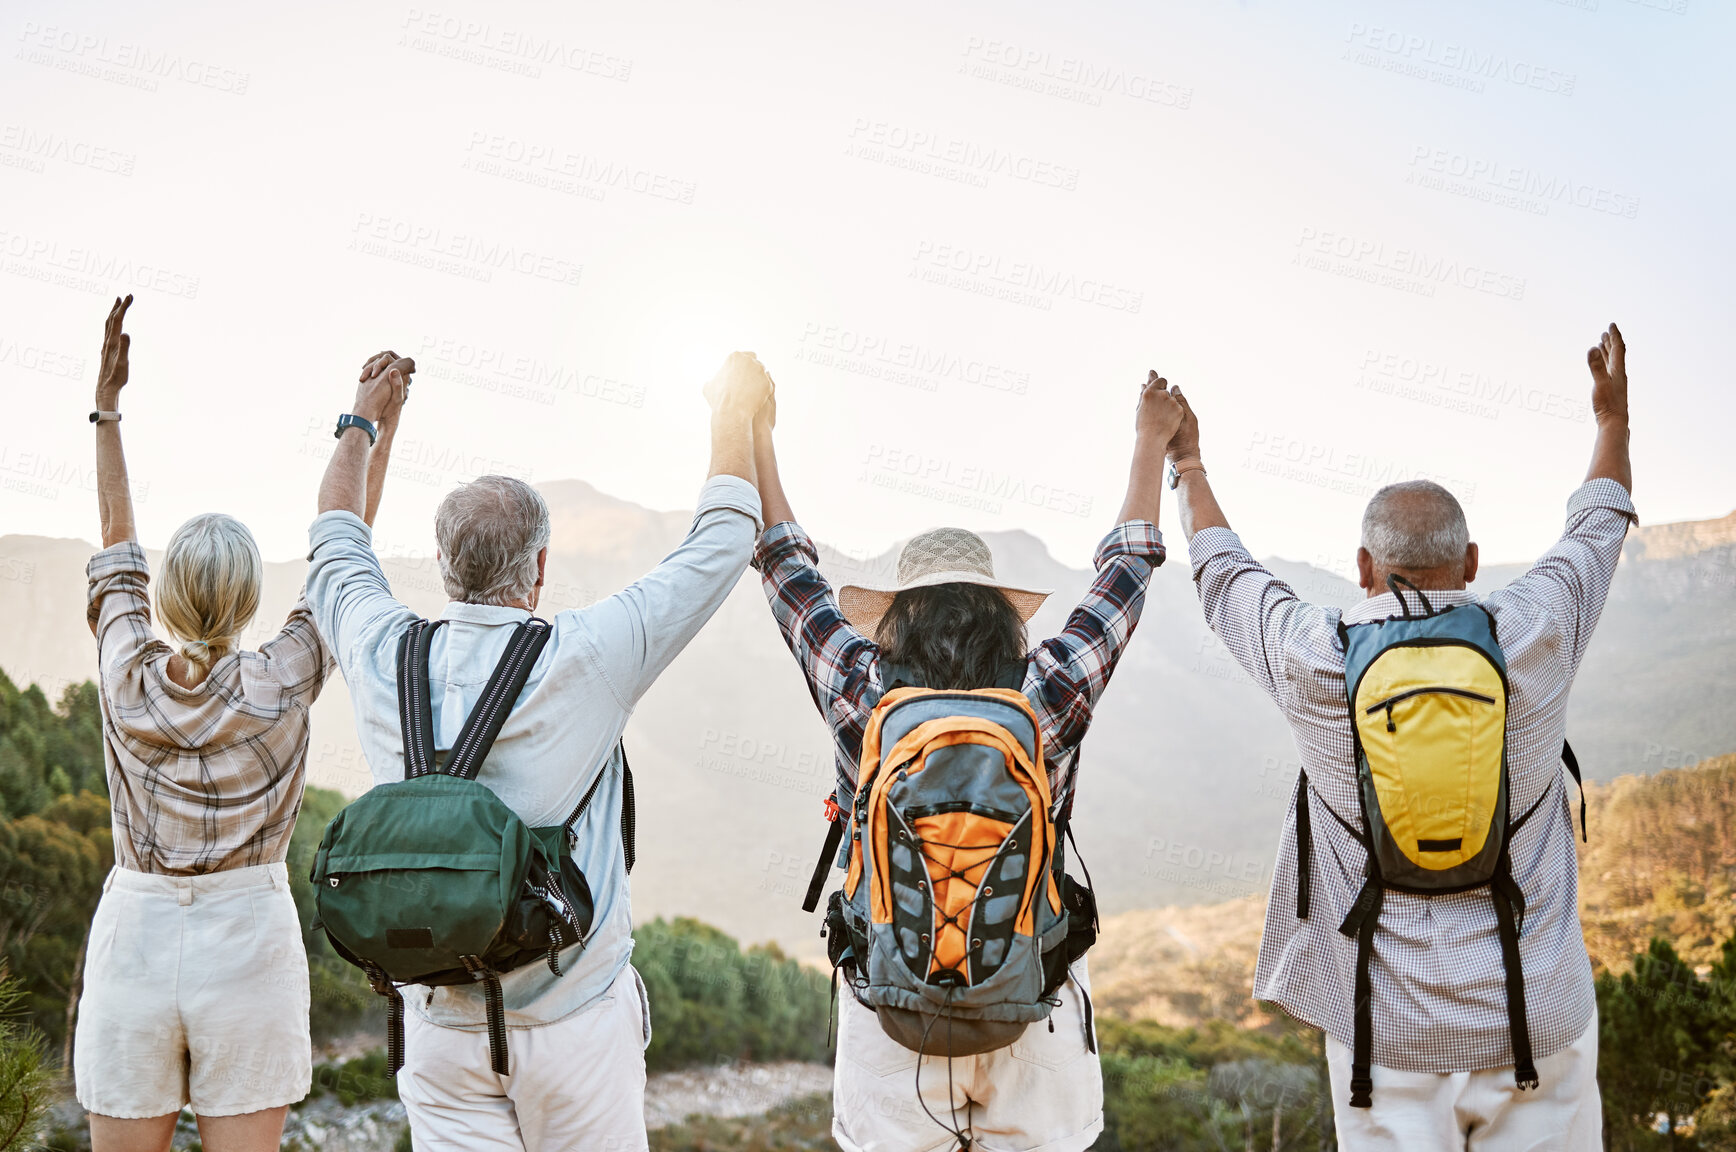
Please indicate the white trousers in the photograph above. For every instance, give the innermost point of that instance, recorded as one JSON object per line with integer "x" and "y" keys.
{"x": 1474, "y": 1111}
{"x": 576, "y": 1083}
{"x": 1042, "y": 1093}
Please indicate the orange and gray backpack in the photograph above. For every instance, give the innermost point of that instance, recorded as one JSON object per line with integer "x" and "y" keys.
{"x": 956, "y": 922}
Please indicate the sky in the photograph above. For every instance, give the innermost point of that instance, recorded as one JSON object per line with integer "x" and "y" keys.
{"x": 1371, "y": 241}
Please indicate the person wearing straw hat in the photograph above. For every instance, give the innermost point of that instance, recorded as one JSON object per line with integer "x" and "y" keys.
{"x": 952, "y": 621}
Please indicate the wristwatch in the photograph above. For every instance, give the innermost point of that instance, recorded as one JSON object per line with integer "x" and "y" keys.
{"x": 349, "y": 420}
{"x": 100, "y": 417}
{"x": 1176, "y": 474}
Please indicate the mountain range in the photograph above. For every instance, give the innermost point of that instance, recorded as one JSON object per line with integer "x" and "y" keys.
{"x": 1185, "y": 774}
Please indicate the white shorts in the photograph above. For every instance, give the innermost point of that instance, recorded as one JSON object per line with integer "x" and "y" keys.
{"x": 578, "y": 1083}
{"x": 1456, "y": 1111}
{"x": 195, "y": 992}
{"x": 1042, "y": 1093}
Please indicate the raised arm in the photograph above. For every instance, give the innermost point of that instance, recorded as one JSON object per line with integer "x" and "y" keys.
{"x": 1198, "y": 504}
{"x": 114, "y": 497}
{"x": 1609, "y": 403}
{"x": 350, "y": 483}
{"x": 1570, "y": 582}
{"x": 774, "y": 504}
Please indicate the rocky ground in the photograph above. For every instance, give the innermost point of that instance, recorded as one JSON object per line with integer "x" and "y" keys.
{"x": 326, "y": 1125}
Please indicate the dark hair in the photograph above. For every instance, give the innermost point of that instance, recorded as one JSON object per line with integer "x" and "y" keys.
{"x": 952, "y": 635}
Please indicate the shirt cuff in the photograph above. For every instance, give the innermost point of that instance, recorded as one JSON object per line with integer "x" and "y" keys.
{"x": 783, "y": 540}
{"x": 126, "y": 556}
{"x": 729, "y": 494}
{"x": 1602, "y": 493}
{"x": 1210, "y": 543}
{"x": 330, "y": 527}
{"x": 1132, "y": 538}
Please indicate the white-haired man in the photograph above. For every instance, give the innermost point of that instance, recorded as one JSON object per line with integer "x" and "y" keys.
{"x": 1447, "y": 1055}
{"x": 575, "y": 1040}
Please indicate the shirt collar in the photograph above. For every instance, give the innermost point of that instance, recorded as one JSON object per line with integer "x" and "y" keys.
{"x": 1386, "y": 604}
{"x": 484, "y": 613}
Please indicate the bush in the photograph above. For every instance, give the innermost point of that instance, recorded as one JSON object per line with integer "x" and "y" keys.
{"x": 711, "y": 1002}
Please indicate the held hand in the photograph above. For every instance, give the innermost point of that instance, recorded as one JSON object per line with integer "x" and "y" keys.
{"x": 1185, "y": 443}
{"x": 1159, "y": 413}
{"x": 1609, "y": 384}
{"x": 383, "y": 387}
{"x": 766, "y": 418}
{"x": 111, "y": 376}
{"x": 742, "y": 385}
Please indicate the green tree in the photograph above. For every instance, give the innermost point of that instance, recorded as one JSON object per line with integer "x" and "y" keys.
{"x": 25, "y": 1081}
{"x": 341, "y": 1000}
{"x": 1663, "y": 1040}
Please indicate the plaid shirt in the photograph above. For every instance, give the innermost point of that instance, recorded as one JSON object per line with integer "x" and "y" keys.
{"x": 207, "y": 778}
{"x": 1063, "y": 676}
{"x": 1440, "y": 999}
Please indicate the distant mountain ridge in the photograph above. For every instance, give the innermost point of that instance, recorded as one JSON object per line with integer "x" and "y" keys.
{"x": 1185, "y": 775}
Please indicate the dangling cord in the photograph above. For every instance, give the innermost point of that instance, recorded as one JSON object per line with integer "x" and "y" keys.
{"x": 963, "y": 1138}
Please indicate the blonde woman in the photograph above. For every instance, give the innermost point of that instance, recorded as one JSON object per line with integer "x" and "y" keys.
{"x": 196, "y": 988}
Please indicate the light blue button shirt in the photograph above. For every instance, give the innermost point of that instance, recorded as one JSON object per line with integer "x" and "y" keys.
{"x": 598, "y": 662}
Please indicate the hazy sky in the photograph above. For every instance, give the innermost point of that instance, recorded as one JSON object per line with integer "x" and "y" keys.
{"x": 1372, "y": 240}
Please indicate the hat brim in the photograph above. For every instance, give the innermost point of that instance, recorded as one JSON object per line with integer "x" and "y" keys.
{"x": 863, "y": 605}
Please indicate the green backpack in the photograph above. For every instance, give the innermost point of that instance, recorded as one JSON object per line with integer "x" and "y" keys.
{"x": 433, "y": 880}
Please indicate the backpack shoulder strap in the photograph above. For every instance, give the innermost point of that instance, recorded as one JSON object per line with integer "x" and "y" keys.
{"x": 1572, "y": 762}
{"x": 483, "y": 724}
{"x": 629, "y": 810}
{"x": 415, "y": 703}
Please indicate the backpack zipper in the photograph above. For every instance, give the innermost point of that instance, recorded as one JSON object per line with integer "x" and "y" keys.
{"x": 1406, "y": 695}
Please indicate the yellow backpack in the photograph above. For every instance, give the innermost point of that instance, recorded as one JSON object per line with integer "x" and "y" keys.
{"x": 1428, "y": 706}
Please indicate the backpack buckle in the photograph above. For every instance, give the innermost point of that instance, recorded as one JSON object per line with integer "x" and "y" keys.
{"x": 834, "y": 813}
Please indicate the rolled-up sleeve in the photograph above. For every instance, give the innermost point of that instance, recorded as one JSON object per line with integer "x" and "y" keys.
{"x": 1570, "y": 582}
{"x": 1255, "y": 614}
{"x": 640, "y": 629}
{"x": 346, "y": 587}
{"x": 835, "y": 658}
{"x": 119, "y": 608}
{"x": 1072, "y": 668}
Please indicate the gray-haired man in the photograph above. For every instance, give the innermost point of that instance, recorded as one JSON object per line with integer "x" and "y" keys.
{"x": 1443, "y": 1064}
{"x": 576, "y": 1041}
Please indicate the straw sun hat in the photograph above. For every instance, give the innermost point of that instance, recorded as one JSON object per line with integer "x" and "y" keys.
{"x": 943, "y": 556}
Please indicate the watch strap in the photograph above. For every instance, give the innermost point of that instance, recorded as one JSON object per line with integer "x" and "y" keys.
{"x": 100, "y": 417}
{"x": 351, "y": 420}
